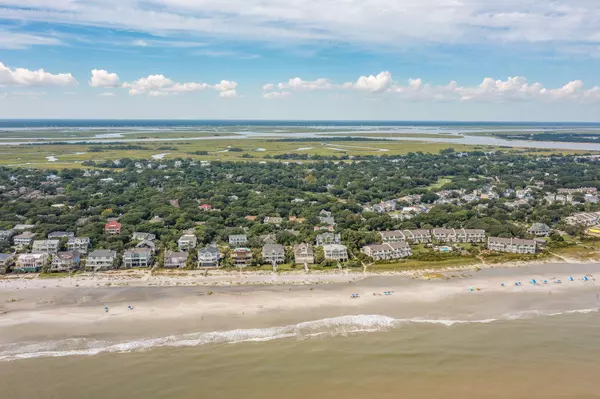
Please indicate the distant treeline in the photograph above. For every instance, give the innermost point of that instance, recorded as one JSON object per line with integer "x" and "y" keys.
{"x": 562, "y": 137}
{"x": 346, "y": 138}
{"x": 117, "y": 147}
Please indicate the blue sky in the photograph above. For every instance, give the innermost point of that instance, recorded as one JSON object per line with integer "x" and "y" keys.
{"x": 301, "y": 59}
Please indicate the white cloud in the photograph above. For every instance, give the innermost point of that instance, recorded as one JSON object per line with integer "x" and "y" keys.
{"x": 276, "y": 95}
{"x": 104, "y": 79}
{"x": 227, "y": 88}
{"x": 18, "y": 41}
{"x": 107, "y": 94}
{"x": 160, "y": 86}
{"x": 140, "y": 43}
{"x": 299, "y": 84}
{"x": 38, "y": 78}
{"x": 490, "y": 90}
{"x": 374, "y": 84}
{"x": 381, "y": 22}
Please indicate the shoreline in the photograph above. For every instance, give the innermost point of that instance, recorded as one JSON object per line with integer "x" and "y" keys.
{"x": 221, "y": 278}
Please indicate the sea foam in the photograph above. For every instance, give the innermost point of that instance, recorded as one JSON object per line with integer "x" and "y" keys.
{"x": 330, "y": 327}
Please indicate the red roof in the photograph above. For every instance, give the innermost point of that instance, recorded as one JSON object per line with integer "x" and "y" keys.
{"x": 113, "y": 224}
{"x": 205, "y": 206}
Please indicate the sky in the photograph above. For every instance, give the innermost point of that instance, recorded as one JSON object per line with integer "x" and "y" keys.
{"x": 454, "y": 60}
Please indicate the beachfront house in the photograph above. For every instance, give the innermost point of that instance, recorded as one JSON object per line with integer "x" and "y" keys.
{"x": 23, "y": 227}
{"x": 336, "y": 252}
{"x": 6, "y": 235}
{"x": 5, "y": 260}
{"x": 65, "y": 261}
{"x": 112, "y": 227}
{"x": 238, "y": 239}
{"x": 79, "y": 244}
{"x": 304, "y": 254}
{"x": 151, "y": 245}
{"x": 328, "y": 239}
{"x": 57, "y": 235}
{"x": 187, "y": 241}
{"x": 512, "y": 245}
{"x": 101, "y": 259}
{"x": 388, "y": 251}
{"x": 175, "y": 260}
{"x": 276, "y": 220}
{"x": 209, "y": 256}
{"x": 540, "y": 230}
{"x": 137, "y": 257}
{"x": 31, "y": 263}
{"x": 24, "y": 239}
{"x": 45, "y": 246}
{"x": 139, "y": 236}
{"x": 241, "y": 257}
{"x": 273, "y": 253}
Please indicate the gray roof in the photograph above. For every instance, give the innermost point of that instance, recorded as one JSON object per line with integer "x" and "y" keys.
{"x": 276, "y": 248}
{"x": 176, "y": 255}
{"x": 209, "y": 250}
{"x": 60, "y": 234}
{"x": 540, "y": 227}
{"x": 102, "y": 253}
{"x": 67, "y": 255}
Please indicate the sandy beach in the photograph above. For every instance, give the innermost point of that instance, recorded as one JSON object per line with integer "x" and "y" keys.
{"x": 136, "y": 304}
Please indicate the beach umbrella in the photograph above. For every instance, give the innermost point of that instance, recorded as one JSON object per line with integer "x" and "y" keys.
{"x": 571, "y": 278}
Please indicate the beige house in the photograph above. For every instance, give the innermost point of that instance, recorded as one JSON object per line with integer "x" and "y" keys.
{"x": 304, "y": 254}
{"x": 65, "y": 261}
{"x": 101, "y": 259}
{"x": 175, "y": 260}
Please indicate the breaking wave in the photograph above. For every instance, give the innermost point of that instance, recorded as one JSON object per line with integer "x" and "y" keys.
{"x": 337, "y": 326}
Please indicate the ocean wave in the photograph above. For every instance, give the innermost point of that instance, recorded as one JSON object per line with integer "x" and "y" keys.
{"x": 331, "y": 327}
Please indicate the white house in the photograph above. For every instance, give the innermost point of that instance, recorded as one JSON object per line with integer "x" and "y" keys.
{"x": 137, "y": 257}
{"x": 187, "y": 242}
{"x": 46, "y": 246}
{"x": 65, "y": 261}
{"x": 31, "y": 263}
{"x": 336, "y": 252}
{"x": 80, "y": 244}
{"x": 513, "y": 245}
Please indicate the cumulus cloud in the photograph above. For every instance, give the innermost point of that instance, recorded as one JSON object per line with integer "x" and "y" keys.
{"x": 299, "y": 84}
{"x": 515, "y": 88}
{"x": 38, "y": 78}
{"x": 375, "y": 84}
{"x": 276, "y": 95}
{"x": 104, "y": 79}
{"x": 161, "y": 86}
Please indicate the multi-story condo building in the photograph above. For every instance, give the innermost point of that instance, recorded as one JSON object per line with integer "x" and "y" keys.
{"x": 137, "y": 257}
{"x": 387, "y": 251}
{"x": 513, "y": 245}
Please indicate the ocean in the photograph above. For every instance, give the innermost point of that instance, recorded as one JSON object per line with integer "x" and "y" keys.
{"x": 539, "y": 357}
